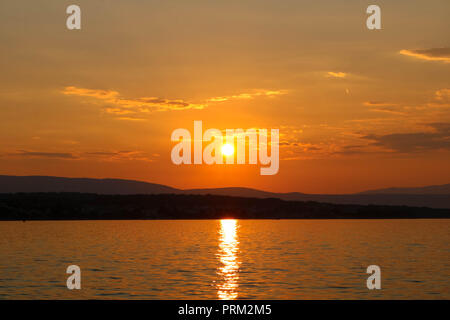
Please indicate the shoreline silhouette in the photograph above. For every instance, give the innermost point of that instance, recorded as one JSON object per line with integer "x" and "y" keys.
{"x": 85, "y": 206}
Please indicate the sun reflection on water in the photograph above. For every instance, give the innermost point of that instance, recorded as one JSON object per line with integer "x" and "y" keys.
{"x": 229, "y": 263}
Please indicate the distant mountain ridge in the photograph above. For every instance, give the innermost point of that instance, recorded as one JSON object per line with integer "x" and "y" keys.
{"x": 431, "y": 196}
{"x": 14, "y": 184}
{"x": 439, "y": 189}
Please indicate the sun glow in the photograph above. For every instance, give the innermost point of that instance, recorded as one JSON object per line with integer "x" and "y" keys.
{"x": 227, "y": 149}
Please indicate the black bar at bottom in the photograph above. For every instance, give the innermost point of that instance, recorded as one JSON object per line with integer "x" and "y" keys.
{"x": 237, "y": 309}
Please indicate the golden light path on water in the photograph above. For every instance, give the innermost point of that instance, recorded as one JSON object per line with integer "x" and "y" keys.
{"x": 227, "y": 288}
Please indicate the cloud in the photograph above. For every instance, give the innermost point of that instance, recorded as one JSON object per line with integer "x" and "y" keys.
{"x": 378, "y": 104}
{"x": 438, "y": 138}
{"x": 296, "y": 144}
{"x": 429, "y": 137}
{"x": 33, "y": 154}
{"x": 443, "y": 95}
{"x": 434, "y": 54}
{"x": 323, "y": 150}
{"x": 440, "y": 100}
{"x": 120, "y": 106}
{"x": 249, "y": 95}
{"x": 99, "y": 94}
{"x": 384, "y": 107}
{"x": 397, "y": 128}
{"x": 118, "y": 155}
{"x": 92, "y": 155}
{"x": 388, "y": 110}
{"x": 339, "y": 75}
{"x": 130, "y": 119}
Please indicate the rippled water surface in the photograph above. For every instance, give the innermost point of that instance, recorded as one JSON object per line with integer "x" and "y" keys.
{"x": 225, "y": 259}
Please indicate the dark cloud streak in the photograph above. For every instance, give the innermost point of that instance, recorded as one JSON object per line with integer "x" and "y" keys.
{"x": 32, "y": 154}
{"x": 437, "y": 139}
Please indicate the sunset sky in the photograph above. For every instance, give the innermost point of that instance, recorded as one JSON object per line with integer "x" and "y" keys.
{"x": 357, "y": 109}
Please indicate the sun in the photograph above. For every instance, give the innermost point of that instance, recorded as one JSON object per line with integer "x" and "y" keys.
{"x": 227, "y": 149}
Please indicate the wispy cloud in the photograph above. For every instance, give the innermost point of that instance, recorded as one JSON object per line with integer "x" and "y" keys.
{"x": 436, "y": 139}
{"x": 398, "y": 129}
{"x": 434, "y": 54}
{"x": 339, "y": 75}
{"x": 33, "y": 154}
{"x": 88, "y": 155}
{"x": 384, "y": 107}
{"x": 388, "y": 110}
{"x": 121, "y": 106}
{"x": 128, "y": 109}
{"x": 249, "y": 95}
{"x": 296, "y": 143}
{"x": 378, "y": 104}
{"x": 443, "y": 95}
{"x": 130, "y": 119}
{"x": 118, "y": 155}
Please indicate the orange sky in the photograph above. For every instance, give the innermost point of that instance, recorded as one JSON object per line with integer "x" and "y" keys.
{"x": 356, "y": 109}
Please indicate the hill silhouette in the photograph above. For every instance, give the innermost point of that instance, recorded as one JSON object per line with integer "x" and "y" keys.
{"x": 439, "y": 189}
{"x": 432, "y": 196}
{"x": 12, "y": 184}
